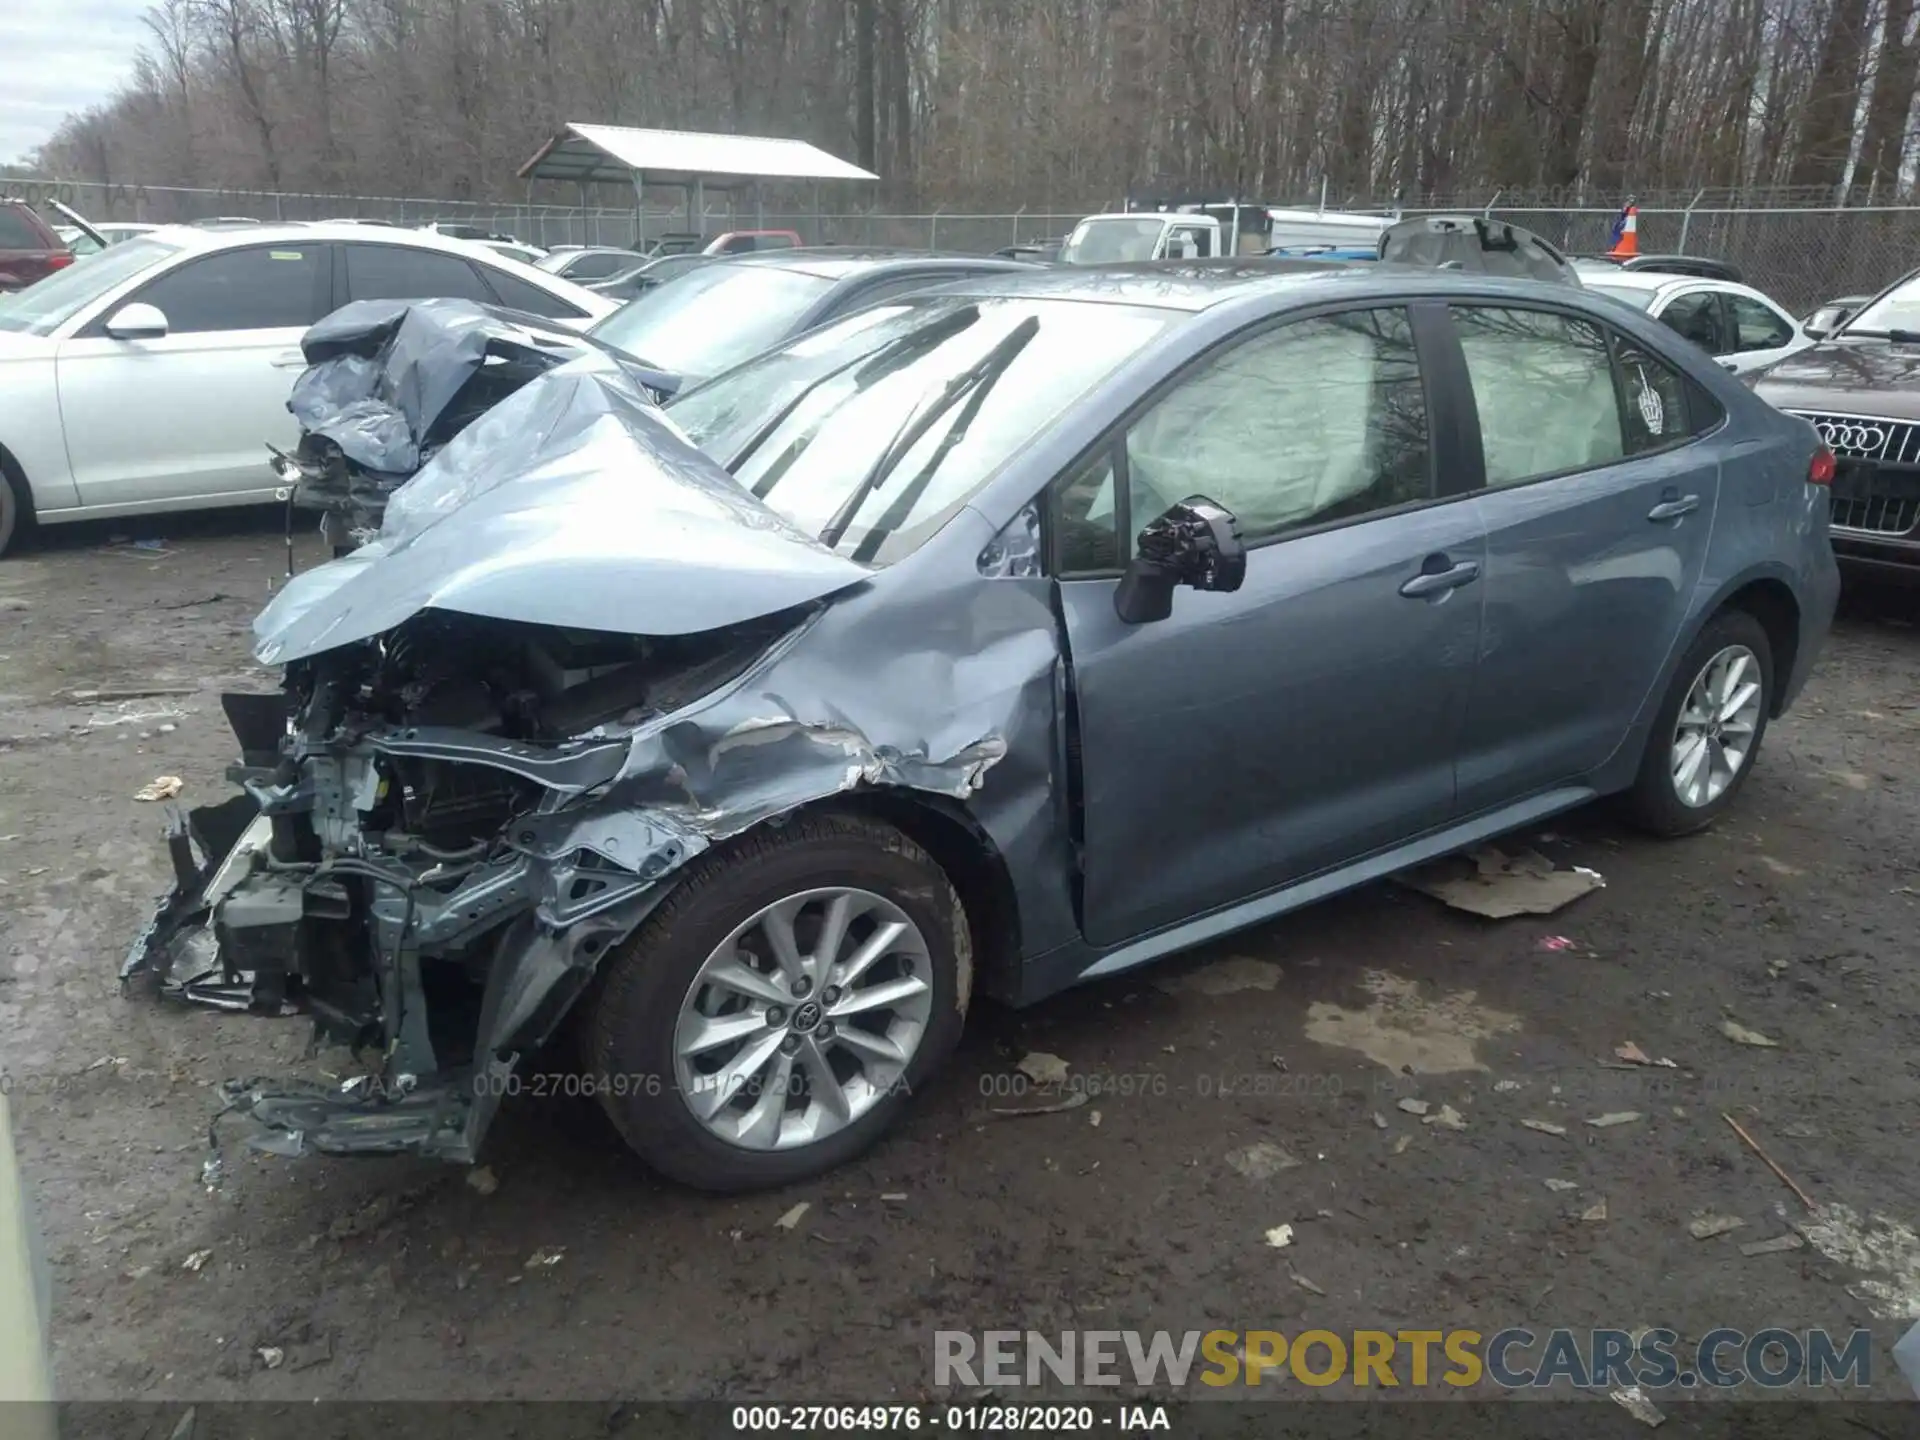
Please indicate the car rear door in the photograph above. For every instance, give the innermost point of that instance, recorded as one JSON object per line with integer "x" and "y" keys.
{"x": 190, "y": 414}
{"x": 1599, "y": 502}
{"x": 1311, "y": 716}
{"x": 1761, "y": 332}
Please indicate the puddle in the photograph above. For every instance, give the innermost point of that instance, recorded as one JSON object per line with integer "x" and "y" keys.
{"x": 1886, "y": 1249}
{"x": 1401, "y": 1029}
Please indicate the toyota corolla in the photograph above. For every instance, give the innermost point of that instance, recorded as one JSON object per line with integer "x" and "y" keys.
{"x": 984, "y": 642}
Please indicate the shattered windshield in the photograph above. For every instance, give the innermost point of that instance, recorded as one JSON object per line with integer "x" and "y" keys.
{"x": 41, "y": 308}
{"x": 1099, "y": 242}
{"x": 916, "y": 404}
{"x": 713, "y": 317}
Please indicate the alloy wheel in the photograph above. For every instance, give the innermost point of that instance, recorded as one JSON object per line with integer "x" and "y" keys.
{"x": 1714, "y": 733}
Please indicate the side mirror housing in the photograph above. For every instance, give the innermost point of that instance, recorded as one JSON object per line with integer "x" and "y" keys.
{"x": 1196, "y": 543}
{"x": 138, "y": 321}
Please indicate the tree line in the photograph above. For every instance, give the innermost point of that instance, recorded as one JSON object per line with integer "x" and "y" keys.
{"x": 990, "y": 104}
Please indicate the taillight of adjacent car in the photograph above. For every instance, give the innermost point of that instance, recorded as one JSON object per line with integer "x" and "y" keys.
{"x": 1820, "y": 469}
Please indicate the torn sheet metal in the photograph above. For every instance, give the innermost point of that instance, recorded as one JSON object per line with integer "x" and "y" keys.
{"x": 575, "y": 502}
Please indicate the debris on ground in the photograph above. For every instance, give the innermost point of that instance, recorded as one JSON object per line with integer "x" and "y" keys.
{"x": 1613, "y": 1118}
{"x": 1634, "y": 1055}
{"x": 138, "y": 692}
{"x": 894, "y": 1195}
{"x": 1280, "y": 1236}
{"x": 1447, "y": 1118}
{"x": 1561, "y": 1186}
{"x": 1260, "y": 1161}
{"x": 1043, "y": 1069}
{"x": 1545, "y": 1127}
{"x": 1500, "y": 886}
{"x": 546, "y": 1257}
{"x": 1596, "y": 1212}
{"x": 1400, "y": 1145}
{"x": 1379, "y": 1121}
{"x": 1779, "y": 1245}
{"x": 1555, "y": 942}
{"x": 163, "y": 787}
{"x": 1507, "y": 1087}
{"x": 1094, "y": 1119}
{"x": 1705, "y": 1227}
{"x": 1741, "y": 1035}
{"x": 483, "y": 1179}
{"x": 194, "y": 1261}
{"x": 793, "y": 1216}
{"x": 1754, "y": 1145}
{"x": 1634, "y": 1401}
{"x": 1072, "y": 1102}
{"x": 271, "y": 1356}
{"x": 1307, "y": 1285}
{"x": 1224, "y": 977}
{"x": 1776, "y": 968}
{"x": 1414, "y": 1107}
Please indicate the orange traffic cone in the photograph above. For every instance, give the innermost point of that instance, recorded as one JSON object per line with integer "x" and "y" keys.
{"x": 1626, "y": 236}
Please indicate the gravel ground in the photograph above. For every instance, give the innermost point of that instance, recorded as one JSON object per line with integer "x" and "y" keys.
{"x": 1252, "y": 1084}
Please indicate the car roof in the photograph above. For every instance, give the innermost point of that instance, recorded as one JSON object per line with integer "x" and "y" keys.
{"x": 836, "y": 264}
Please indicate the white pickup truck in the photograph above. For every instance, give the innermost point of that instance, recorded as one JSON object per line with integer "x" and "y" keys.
{"x": 1143, "y": 235}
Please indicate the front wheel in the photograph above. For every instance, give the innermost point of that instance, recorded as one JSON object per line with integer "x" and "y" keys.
{"x": 1708, "y": 731}
{"x": 770, "y": 1020}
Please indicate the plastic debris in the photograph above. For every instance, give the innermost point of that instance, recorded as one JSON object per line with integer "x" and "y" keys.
{"x": 483, "y": 1179}
{"x": 1280, "y": 1237}
{"x": 1307, "y": 1285}
{"x": 1447, "y": 1118}
{"x": 1415, "y": 1107}
{"x": 793, "y": 1216}
{"x": 1741, "y": 1035}
{"x": 1617, "y": 1117}
{"x": 1634, "y": 1401}
{"x": 1545, "y": 1127}
{"x": 197, "y": 1259}
{"x": 1560, "y": 1186}
{"x": 163, "y": 787}
{"x": 1555, "y": 942}
{"x": 271, "y": 1356}
{"x": 895, "y": 1195}
{"x": 1400, "y": 1145}
{"x": 1043, "y": 1069}
{"x": 1500, "y": 886}
{"x": 1779, "y": 1245}
{"x": 1595, "y": 1213}
{"x": 1634, "y": 1055}
{"x": 1707, "y": 1226}
{"x": 1094, "y": 1119}
{"x": 546, "y": 1257}
{"x": 1379, "y": 1121}
{"x": 1260, "y": 1161}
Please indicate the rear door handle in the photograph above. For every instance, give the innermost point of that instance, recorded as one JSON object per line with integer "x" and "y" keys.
{"x": 1675, "y": 508}
{"x": 1429, "y": 583}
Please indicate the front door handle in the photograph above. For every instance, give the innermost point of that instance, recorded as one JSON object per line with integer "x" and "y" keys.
{"x": 1432, "y": 582}
{"x": 289, "y": 360}
{"x": 1674, "y": 508}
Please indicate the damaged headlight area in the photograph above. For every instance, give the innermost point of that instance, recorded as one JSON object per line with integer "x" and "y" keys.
{"x": 406, "y": 863}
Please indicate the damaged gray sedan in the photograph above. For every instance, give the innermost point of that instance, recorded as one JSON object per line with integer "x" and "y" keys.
{"x": 982, "y": 642}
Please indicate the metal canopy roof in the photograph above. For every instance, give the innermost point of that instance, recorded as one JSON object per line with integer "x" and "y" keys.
{"x": 587, "y": 153}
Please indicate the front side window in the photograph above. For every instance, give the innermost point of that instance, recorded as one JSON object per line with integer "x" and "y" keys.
{"x": 1319, "y": 421}
{"x": 1543, "y": 386}
{"x": 1757, "y": 327}
{"x": 44, "y": 306}
{"x": 266, "y": 287}
{"x": 1700, "y": 318}
{"x": 593, "y": 267}
{"x": 395, "y": 272}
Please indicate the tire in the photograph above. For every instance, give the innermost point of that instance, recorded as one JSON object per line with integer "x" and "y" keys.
{"x": 1656, "y": 802}
{"x": 651, "y": 1000}
{"x": 16, "y": 516}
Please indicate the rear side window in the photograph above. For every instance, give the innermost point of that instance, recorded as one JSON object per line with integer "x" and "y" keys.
{"x": 18, "y": 232}
{"x": 267, "y": 287}
{"x": 394, "y": 272}
{"x": 1700, "y": 318}
{"x": 1655, "y": 407}
{"x": 594, "y": 267}
{"x": 517, "y": 294}
{"x": 1543, "y": 385}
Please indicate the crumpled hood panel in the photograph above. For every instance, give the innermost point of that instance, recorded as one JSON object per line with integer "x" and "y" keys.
{"x": 576, "y": 503}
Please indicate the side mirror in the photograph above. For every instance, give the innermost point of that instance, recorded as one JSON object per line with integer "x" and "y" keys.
{"x": 1195, "y": 543}
{"x": 137, "y": 321}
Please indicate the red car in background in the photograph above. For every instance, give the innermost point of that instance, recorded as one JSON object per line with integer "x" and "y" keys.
{"x": 29, "y": 250}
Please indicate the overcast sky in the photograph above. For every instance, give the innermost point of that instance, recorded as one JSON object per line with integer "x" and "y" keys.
{"x": 57, "y": 56}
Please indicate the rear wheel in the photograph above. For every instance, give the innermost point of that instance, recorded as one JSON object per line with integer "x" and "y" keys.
{"x": 770, "y": 1020}
{"x": 1708, "y": 732}
{"x": 14, "y": 513}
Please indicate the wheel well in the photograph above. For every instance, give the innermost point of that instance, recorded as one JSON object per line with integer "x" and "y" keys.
{"x": 1773, "y": 605}
{"x": 972, "y": 862}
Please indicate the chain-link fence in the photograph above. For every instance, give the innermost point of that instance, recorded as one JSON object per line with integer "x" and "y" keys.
{"x": 1800, "y": 252}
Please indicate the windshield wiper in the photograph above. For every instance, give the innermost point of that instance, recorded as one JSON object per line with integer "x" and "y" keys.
{"x": 872, "y": 367}
{"x": 988, "y": 367}
{"x": 1897, "y": 337}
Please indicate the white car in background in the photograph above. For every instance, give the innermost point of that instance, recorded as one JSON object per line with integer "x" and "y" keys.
{"x": 154, "y": 376}
{"x": 1740, "y": 327}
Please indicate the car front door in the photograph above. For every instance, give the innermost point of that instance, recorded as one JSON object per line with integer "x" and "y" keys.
{"x": 189, "y": 414}
{"x": 1309, "y": 717}
{"x": 1598, "y": 503}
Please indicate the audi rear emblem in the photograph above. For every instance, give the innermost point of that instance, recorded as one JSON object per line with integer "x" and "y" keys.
{"x": 1845, "y": 435}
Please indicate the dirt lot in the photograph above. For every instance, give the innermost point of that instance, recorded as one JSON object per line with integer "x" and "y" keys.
{"x": 1145, "y": 1208}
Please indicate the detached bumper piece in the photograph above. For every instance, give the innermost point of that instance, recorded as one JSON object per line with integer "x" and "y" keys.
{"x": 444, "y": 1120}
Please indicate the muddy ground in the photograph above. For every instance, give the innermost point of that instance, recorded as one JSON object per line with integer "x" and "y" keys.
{"x": 1145, "y": 1208}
